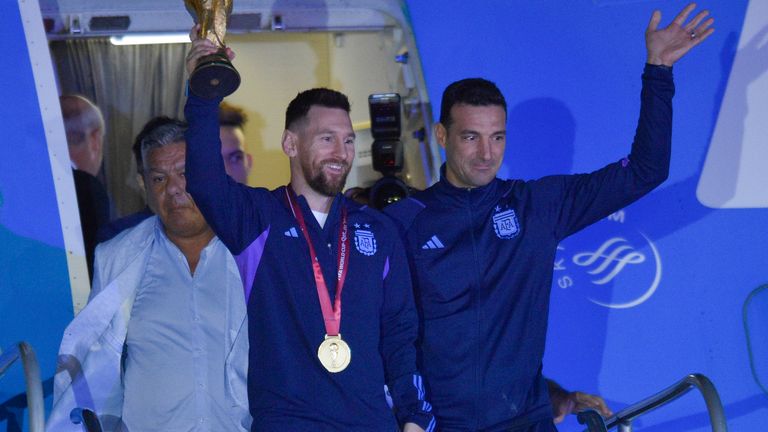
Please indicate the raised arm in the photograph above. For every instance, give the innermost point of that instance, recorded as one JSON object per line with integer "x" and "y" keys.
{"x": 581, "y": 200}
{"x": 667, "y": 45}
{"x": 234, "y": 211}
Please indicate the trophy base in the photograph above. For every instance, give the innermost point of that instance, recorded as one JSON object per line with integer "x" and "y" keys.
{"x": 214, "y": 77}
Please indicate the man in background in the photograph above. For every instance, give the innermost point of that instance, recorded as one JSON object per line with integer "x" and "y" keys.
{"x": 162, "y": 344}
{"x": 84, "y": 126}
{"x": 237, "y": 162}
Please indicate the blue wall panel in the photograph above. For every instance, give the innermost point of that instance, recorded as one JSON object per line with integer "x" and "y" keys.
{"x": 35, "y": 300}
{"x": 571, "y": 75}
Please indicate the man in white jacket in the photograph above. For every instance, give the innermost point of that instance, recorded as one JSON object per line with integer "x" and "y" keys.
{"x": 162, "y": 344}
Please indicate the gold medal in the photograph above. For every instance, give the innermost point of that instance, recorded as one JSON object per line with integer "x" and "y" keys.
{"x": 334, "y": 354}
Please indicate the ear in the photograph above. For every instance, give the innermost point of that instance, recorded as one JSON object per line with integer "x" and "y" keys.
{"x": 142, "y": 186}
{"x": 441, "y": 134}
{"x": 248, "y": 161}
{"x": 290, "y": 143}
{"x": 95, "y": 140}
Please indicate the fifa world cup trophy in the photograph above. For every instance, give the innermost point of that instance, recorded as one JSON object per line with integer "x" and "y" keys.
{"x": 214, "y": 76}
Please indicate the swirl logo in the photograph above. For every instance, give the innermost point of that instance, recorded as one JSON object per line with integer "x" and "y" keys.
{"x": 615, "y": 255}
{"x": 626, "y": 266}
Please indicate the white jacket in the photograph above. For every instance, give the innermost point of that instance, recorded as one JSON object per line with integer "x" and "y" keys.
{"x": 89, "y": 365}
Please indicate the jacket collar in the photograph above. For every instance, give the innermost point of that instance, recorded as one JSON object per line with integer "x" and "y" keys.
{"x": 473, "y": 197}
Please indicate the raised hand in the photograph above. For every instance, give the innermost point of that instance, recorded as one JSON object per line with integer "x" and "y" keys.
{"x": 667, "y": 45}
{"x": 201, "y": 47}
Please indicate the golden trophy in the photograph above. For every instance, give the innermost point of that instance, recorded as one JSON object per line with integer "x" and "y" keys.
{"x": 214, "y": 76}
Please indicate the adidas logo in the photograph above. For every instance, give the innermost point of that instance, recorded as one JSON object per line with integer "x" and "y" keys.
{"x": 292, "y": 233}
{"x": 433, "y": 243}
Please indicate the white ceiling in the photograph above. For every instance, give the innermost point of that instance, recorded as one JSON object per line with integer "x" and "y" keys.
{"x": 72, "y": 18}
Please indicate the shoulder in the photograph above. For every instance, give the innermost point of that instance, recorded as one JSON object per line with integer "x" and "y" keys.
{"x": 128, "y": 243}
{"x": 405, "y": 212}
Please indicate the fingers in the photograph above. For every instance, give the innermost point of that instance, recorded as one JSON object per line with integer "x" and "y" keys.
{"x": 566, "y": 407}
{"x": 696, "y": 20}
{"x": 655, "y": 20}
{"x": 588, "y": 401}
{"x": 700, "y": 37}
{"x": 601, "y": 407}
{"x": 230, "y": 53}
{"x": 200, "y": 48}
{"x": 194, "y": 32}
{"x": 704, "y": 30}
{"x": 683, "y": 15}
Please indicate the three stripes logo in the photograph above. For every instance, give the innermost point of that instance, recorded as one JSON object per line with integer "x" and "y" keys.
{"x": 433, "y": 243}
{"x": 292, "y": 233}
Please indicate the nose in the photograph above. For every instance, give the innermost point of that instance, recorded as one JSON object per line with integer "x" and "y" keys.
{"x": 340, "y": 150}
{"x": 484, "y": 149}
{"x": 177, "y": 184}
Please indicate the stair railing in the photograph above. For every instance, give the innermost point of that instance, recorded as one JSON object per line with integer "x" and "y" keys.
{"x": 35, "y": 405}
{"x": 623, "y": 419}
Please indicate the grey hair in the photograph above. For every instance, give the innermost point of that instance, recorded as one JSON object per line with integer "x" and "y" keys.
{"x": 81, "y": 117}
{"x": 168, "y": 131}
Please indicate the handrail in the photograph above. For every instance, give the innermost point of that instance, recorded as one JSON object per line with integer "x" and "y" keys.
{"x": 35, "y": 406}
{"x": 592, "y": 419}
{"x": 624, "y": 418}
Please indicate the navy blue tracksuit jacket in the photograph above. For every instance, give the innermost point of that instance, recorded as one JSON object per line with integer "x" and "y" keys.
{"x": 482, "y": 263}
{"x": 288, "y": 388}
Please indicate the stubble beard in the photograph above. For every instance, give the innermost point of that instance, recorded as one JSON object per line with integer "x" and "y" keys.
{"x": 321, "y": 184}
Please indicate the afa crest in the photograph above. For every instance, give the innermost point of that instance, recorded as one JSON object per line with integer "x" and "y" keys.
{"x": 365, "y": 242}
{"x": 505, "y": 224}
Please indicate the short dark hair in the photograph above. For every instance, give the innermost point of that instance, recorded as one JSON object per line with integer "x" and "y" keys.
{"x": 158, "y": 132}
{"x": 232, "y": 115}
{"x": 300, "y": 105}
{"x": 470, "y": 91}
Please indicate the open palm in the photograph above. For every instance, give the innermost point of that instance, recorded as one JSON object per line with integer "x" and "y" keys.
{"x": 667, "y": 45}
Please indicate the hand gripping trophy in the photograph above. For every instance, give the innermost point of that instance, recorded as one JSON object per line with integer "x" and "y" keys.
{"x": 214, "y": 75}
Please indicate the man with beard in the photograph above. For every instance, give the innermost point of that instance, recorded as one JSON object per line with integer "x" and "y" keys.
{"x": 304, "y": 251}
{"x": 162, "y": 343}
{"x": 483, "y": 248}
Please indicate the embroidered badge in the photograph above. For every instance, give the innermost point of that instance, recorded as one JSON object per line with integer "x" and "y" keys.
{"x": 365, "y": 242}
{"x": 505, "y": 224}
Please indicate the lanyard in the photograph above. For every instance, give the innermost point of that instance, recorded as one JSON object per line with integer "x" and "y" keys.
{"x": 331, "y": 314}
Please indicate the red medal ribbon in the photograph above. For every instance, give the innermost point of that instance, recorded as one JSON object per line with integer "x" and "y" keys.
{"x": 331, "y": 314}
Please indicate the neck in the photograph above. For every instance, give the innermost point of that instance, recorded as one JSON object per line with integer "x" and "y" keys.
{"x": 191, "y": 247}
{"x": 317, "y": 201}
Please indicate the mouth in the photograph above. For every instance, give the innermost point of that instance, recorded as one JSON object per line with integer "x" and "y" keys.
{"x": 178, "y": 206}
{"x": 482, "y": 167}
{"x": 337, "y": 168}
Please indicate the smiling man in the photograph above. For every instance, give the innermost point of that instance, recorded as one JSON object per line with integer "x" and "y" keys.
{"x": 482, "y": 249}
{"x": 304, "y": 251}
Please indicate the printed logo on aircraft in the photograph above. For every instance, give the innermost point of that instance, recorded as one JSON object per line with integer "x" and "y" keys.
{"x": 616, "y": 266}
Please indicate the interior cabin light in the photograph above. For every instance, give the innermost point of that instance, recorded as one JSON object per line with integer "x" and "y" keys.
{"x": 150, "y": 38}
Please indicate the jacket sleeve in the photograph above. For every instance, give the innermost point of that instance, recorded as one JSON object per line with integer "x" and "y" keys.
{"x": 235, "y": 212}
{"x": 399, "y": 328}
{"x": 576, "y": 201}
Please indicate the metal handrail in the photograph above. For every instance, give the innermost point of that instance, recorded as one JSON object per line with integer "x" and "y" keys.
{"x": 593, "y": 420}
{"x": 623, "y": 419}
{"x": 35, "y": 406}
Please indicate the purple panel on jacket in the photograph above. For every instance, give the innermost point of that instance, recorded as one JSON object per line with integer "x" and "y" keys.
{"x": 248, "y": 262}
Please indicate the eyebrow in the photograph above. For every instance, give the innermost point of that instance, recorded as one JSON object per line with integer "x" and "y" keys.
{"x": 181, "y": 166}
{"x": 332, "y": 132}
{"x": 474, "y": 132}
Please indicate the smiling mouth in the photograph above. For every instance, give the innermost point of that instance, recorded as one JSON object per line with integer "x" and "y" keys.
{"x": 334, "y": 167}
